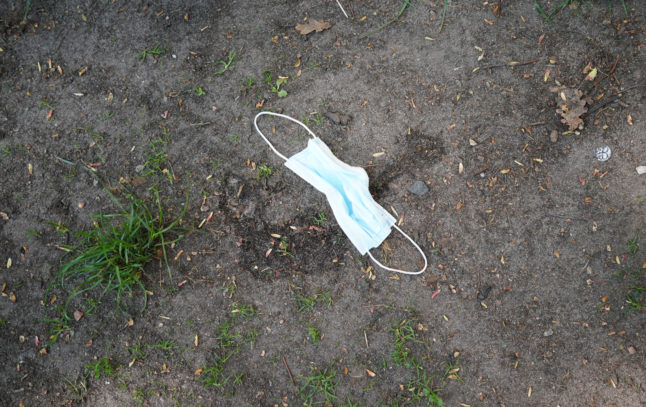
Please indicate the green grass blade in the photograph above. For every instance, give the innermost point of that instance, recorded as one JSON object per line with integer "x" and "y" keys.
{"x": 542, "y": 12}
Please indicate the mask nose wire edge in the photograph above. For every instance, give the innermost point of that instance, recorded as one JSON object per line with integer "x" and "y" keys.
{"x": 398, "y": 270}
{"x": 255, "y": 123}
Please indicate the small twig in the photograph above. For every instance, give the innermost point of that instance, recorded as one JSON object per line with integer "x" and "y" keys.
{"x": 614, "y": 66}
{"x": 289, "y": 371}
{"x": 610, "y": 100}
{"x": 510, "y": 64}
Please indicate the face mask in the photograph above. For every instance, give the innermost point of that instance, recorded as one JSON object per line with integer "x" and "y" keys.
{"x": 363, "y": 220}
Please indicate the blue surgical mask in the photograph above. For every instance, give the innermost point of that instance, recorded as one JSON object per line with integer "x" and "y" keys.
{"x": 366, "y": 223}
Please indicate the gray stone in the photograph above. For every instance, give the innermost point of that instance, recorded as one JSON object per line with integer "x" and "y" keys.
{"x": 419, "y": 188}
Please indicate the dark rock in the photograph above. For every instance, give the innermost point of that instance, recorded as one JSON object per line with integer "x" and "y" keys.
{"x": 419, "y": 188}
{"x": 484, "y": 293}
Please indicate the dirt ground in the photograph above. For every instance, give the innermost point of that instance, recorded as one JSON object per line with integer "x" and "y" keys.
{"x": 534, "y": 291}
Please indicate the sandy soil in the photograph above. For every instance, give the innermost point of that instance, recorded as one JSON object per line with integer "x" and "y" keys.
{"x": 532, "y": 241}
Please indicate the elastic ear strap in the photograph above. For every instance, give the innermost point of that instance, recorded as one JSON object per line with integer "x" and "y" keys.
{"x": 255, "y": 123}
{"x": 398, "y": 270}
{"x": 344, "y": 13}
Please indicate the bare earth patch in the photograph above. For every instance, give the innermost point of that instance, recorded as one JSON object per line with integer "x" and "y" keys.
{"x": 534, "y": 295}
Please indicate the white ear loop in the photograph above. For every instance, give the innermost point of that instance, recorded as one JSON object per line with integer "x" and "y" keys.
{"x": 398, "y": 270}
{"x": 255, "y": 123}
{"x": 344, "y": 13}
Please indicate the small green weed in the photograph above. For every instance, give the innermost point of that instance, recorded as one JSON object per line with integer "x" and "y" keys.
{"x": 422, "y": 389}
{"x": 214, "y": 375}
{"x": 269, "y": 76}
{"x": 313, "y": 118}
{"x": 575, "y": 4}
{"x": 451, "y": 371}
{"x": 152, "y": 51}
{"x": 3, "y": 323}
{"x": 58, "y": 326}
{"x": 155, "y": 159}
{"x": 168, "y": 344}
{"x": 59, "y": 227}
{"x": 243, "y": 310}
{"x": 404, "y": 334}
{"x": 102, "y": 367}
{"x": 405, "y": 5}
{"x": 248, "y": 83}
{"x": 320, "y": 218}
{"x": 106, "y": 116}
{"x": 350, "y": 403}
{"x": 632, "y": 246}
{"x": 77, "y": 388}
{"x": 634, "y": 298}
{"x": 197, "y": 90}
{"x": 276, "y": 88}
{"x": 251, "y": 337}
{"x": 137, "y": 351}
{"x": 45, "y": 105}
{"x": 314, "y": 333}
{"x": 26, "y": 13}
{"x": 224, "y": 336}
{"x": 319, "y": 388}
{"x": 308, "y": 303}
{"x": 227, "y": 64}
{"x": 283, "y": 247}
{"x": 264, "y": 172}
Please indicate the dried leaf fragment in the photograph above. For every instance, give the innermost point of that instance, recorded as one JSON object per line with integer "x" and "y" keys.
{"x": 573, "y": 108}
{"x": 313, "y": 25}
{"x": 591, "y": 75}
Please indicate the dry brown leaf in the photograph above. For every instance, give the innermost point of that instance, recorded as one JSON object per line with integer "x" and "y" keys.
{"x": 313, "y": 25}
{"x": 573, "y": 108}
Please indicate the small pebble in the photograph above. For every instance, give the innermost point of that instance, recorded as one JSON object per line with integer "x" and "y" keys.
{"x": 419, "y": 188}
{"x": 549, "y": 332}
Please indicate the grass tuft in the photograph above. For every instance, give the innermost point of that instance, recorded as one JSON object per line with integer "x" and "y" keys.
{"x": 112, "y": 254}
{"x": 320, "y": 383}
